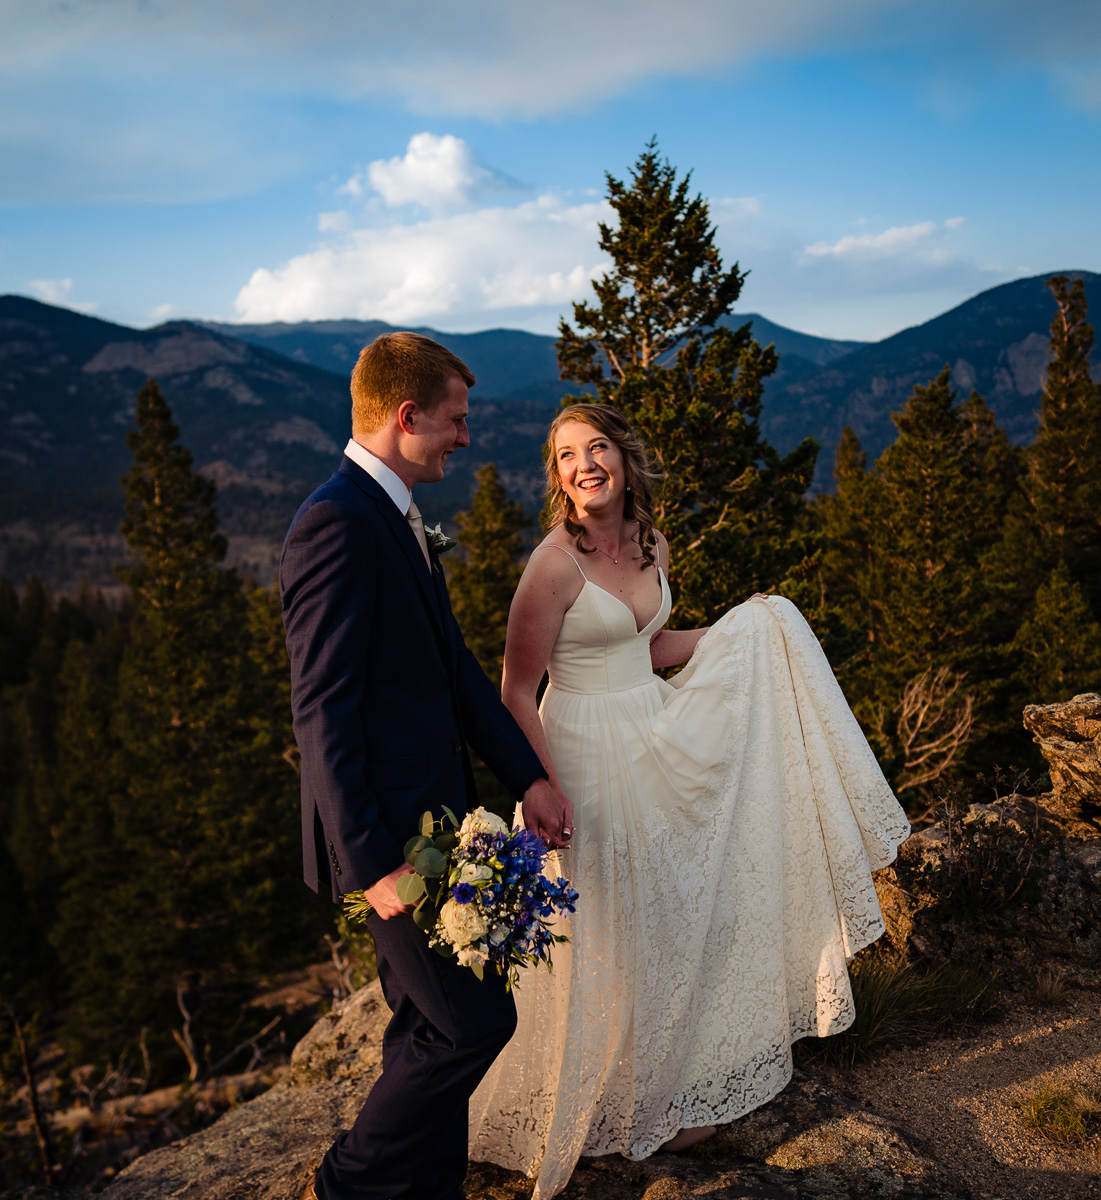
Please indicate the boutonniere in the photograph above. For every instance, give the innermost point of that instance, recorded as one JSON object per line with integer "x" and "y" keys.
{"x": 438, "y": 541}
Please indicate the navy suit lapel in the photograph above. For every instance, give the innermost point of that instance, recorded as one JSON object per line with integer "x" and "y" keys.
{"x": 404, "y": 535}
{"x": 443, "y": 601}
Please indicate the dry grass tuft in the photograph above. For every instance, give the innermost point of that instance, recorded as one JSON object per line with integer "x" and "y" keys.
{"x": 1051, "y": 986}
{"x": 1062, "y": 1114}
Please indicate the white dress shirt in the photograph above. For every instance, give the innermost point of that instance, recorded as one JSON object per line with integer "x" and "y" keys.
{"x": 381, "y": 474}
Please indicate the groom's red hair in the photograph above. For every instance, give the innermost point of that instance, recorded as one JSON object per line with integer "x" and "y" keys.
{"x": 397, "y": 367}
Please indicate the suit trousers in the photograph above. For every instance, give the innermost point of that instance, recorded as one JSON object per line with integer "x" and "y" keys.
{"x": 410, "y": 1139}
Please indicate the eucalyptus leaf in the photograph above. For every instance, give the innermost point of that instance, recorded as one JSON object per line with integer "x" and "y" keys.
{"x": 410, "y": 888}
{"x": 428, "y": 823}
{"x": 451, "y": 815}
{"x": 444, "y": 950}
{"x": 445, "y": 842}
{"x": 477, "y": 969}
{"x": 425, "y": 917}
{"x": 414, "y": 846}
{"x": 430, "y": 863}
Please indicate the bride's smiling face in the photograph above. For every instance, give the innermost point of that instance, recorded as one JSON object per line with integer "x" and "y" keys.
{"x": 590, "y": 466}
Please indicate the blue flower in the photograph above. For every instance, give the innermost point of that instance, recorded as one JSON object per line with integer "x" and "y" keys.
{"x": 463, "y": 893}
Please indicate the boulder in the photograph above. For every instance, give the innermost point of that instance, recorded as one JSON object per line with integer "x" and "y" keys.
{"x": 1069, "y": 737}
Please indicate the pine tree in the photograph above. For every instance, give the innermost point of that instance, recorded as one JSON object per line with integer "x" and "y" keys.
{"x": 1059, "y": 643}
{"x": 1064, "y": 483}
{"x": 907, "y": 547}
{"x": 652, "y": 348}
{"x": 189, "y": 884}
{"x": 482, "y": 582}
{"x": 30, "y": 801}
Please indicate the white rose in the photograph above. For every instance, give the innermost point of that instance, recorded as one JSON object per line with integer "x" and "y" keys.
{"x": 481, "y": 820}
{"x": 471, "y": 956}
{"x": 463, "y": 923}
{"x": 475, "y": 873}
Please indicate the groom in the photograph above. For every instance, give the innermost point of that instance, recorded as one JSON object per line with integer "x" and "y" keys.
{"x": 386, "y": 700}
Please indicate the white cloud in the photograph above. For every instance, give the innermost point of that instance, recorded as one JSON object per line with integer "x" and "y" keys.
{"x": 151, "y": 101}
{"x": 464, "y": 268}
{"x": 924, "y": 243}
{"x": 334, "y": 222}
{"x": 499, "y": 58}
{"x": 59, "y": 292}
{"x": 437, "y": 173}
{"x": 860, "y": 284}
{"x": 734, "y": 208}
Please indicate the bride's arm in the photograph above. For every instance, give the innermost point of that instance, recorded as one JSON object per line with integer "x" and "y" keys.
{"x": 671, "y": 647}
{"x": 550, "y": 584}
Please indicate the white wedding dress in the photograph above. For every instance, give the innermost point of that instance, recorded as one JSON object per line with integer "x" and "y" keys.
{"x": 726, "y": 827}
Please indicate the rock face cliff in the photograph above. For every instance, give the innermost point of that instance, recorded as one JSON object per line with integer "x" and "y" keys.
{"x": 809, "y": 1142}
{"x": 1069, "y": 737}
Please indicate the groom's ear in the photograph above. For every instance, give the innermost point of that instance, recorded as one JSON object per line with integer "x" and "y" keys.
{"x": 406, "y": 414}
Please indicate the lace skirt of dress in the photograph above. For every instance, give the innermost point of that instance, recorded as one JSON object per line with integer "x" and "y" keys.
{"x": 726, "y": 828}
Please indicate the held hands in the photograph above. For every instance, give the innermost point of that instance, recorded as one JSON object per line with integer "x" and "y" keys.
{"x": 548, "y": 814}
{"x": 383, "y": 895}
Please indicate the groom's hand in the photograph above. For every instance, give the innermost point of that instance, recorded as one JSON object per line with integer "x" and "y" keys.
{"x": 548, "y": 814}
{"x": 383, "y": 896}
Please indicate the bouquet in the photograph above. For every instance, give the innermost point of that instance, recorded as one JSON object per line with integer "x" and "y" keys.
{"x": 479, "y": 893}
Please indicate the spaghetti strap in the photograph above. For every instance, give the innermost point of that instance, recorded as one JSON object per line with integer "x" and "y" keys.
{"x": 552, "y": 546}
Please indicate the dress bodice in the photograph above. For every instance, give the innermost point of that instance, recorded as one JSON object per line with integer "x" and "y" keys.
{"x": 599, "y": 648}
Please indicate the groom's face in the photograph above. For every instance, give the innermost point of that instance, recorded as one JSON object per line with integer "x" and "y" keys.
{"x": 437, "y": 433}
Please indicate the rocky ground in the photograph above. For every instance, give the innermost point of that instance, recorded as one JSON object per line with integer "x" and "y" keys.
{"x": 930, "y": 1121}
{"x": 938, "y": 1118}
{"x": 811, "y": 1141}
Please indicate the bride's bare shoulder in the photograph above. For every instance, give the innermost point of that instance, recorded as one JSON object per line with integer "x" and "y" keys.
{"x": 553, "y": 569}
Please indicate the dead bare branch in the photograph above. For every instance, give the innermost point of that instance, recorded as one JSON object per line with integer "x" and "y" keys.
{"x": 184, "y": 1040}
{"x": 935, "y": 722}
{"x": 41, "y": 1134}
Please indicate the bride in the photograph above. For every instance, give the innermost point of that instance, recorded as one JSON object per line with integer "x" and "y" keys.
{"x": 726, "y": 827}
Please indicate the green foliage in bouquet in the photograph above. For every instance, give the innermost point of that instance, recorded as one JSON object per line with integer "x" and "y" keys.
{"x": 427, "y": 887}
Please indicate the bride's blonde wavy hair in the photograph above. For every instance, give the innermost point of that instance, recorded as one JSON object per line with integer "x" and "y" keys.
{"x": 638, "y": 468}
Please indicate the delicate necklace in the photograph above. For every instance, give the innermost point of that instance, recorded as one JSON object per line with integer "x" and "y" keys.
{"x": 605, "y": 553}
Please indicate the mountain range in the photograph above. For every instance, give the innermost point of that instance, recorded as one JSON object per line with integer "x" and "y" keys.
{"x": 264, "y": 410}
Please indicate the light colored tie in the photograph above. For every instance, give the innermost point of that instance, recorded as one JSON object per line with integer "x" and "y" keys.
{"x": 416, "y": 523}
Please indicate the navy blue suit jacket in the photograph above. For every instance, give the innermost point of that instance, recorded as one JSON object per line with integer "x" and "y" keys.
{"x": 385, "y": 694}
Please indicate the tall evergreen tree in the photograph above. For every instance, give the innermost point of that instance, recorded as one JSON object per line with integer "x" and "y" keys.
{"x": 1058, "y": 645}
{"x": 652, "y": 348}
{"x": 197, "y": 889}
{"x": 482, "y": 582}
{"x": 1064, "y": 482}
{"x": 907, "y": 546}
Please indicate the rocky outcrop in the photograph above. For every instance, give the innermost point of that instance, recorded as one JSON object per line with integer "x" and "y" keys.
{"x": 1052, "y": 917}
{"x": 267, "y": 1148}
{"x": 809, "y": 1142}
{"x": 1069, "y": 737}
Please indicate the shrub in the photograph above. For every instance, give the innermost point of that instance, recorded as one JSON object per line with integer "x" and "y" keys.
{"x": 992, "y": 855}
{"x": 898, "y": 1003}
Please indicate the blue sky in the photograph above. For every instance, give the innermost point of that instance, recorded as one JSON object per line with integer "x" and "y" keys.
{"x": 871, "y": 162}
